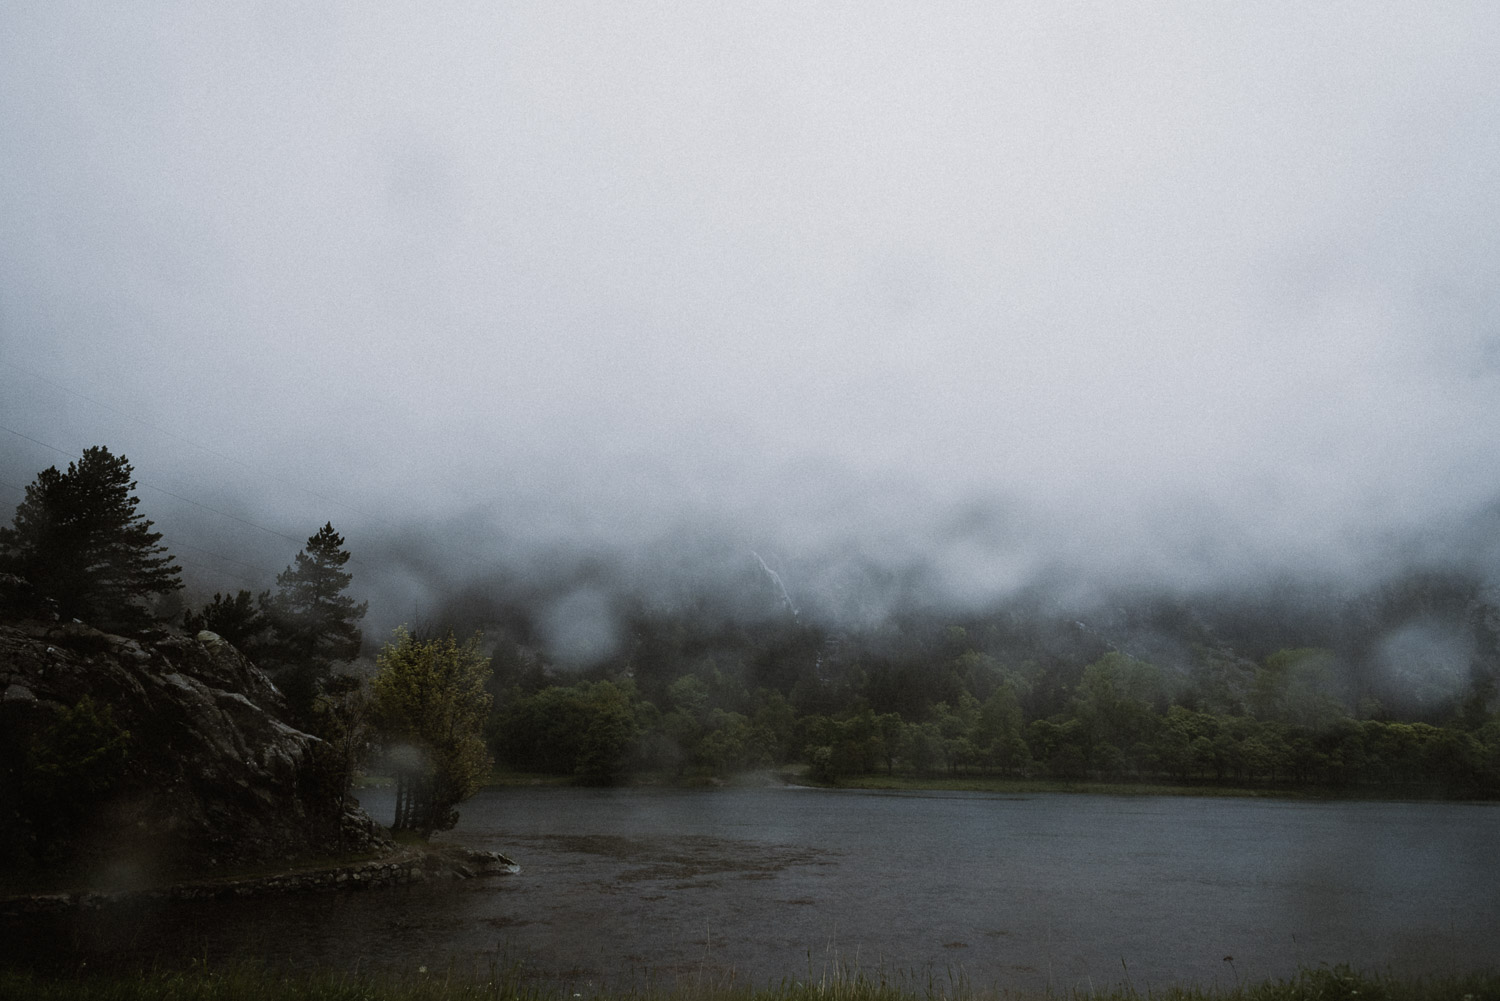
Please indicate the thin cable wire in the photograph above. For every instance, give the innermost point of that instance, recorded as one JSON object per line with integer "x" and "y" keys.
{"x": 259, "y": 473}
{"x": 301, "y": 544}
{"x": 227, "y": 559}
{"x": 34, "y": 441}
{"x": 217, "y": 570}
{"x": 163, "y": 490}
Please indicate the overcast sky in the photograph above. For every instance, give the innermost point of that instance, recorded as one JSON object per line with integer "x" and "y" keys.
{"x": 1159, "y": 291}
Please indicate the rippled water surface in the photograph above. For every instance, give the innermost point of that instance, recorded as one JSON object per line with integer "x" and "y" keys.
{"x": 1026, "y": 892}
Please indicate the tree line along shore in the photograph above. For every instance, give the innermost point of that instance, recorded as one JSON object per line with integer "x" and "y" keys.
{"x": 695, "y": 692}
{"x": 1117, "y": 726}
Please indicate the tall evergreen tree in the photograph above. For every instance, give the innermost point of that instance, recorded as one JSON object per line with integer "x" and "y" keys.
{"x": 313, "y": 622}
{"x": 79, "y": 541}
{"x": 234, "y": 617}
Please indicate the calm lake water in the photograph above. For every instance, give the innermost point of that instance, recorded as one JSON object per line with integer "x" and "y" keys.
{"x": 1020, "y": 892}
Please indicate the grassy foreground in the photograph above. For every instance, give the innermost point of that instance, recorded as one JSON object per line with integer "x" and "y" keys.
{"x": 250, "y": 984}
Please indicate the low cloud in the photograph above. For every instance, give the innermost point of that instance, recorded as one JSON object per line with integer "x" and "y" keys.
{"x": 921, "y": 306}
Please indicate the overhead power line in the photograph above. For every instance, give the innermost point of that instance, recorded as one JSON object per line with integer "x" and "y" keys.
{"x": 163, "y": 490}
{"x": 227, "y": 559}
{"x": 217, "y": 570}
{"x": 175, "y": 545}
{"x": 299, "y": 543}
{"x": 259, "y": 473}
{"x": 36, "y": 441}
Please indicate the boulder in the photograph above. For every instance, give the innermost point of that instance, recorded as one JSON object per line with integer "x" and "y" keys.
{"x": 212, "y": 770}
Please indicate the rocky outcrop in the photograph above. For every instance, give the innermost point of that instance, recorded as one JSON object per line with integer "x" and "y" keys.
{"x": 211, "y": 773}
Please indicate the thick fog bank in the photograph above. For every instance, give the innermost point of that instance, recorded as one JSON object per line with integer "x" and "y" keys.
{"x": 849, "y": 316}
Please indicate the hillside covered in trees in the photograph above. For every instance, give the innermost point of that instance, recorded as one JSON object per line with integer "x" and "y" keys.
{"x": 1390, "y": 690}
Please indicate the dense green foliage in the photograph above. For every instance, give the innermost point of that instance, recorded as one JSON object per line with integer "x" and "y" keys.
{"x": 947, "y": 706}
{"x": 70, "y": 763}
{"x": 510, "y": 984}
{"x": 342, "y": 716}
{"x": 429, "y": 705}
{"x": 79, "y": 542}
{"x": 588, "y": 729}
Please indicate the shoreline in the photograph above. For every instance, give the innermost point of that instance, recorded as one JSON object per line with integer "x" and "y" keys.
{"x": 1002, "y": 785}
{"x": 404, "y": 864}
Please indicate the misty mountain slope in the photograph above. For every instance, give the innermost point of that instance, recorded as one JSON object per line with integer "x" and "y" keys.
{"x": 1415, "y": 645}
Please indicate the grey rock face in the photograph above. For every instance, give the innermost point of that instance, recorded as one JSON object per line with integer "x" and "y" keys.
{"x": 214, "y": 771}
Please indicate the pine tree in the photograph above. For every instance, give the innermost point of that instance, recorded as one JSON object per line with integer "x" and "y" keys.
{"x": 236, "y": 618}
{"x": 313, "y": 622}
{"x": 79, "y": 541}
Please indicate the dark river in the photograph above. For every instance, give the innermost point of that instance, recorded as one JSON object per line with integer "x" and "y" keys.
{"x": 1021, "y": 892}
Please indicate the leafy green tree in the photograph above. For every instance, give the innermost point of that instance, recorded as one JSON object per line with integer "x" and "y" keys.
{"x": 1109, "y": 761}
{"x": 429, "y": 706}
{"x": 859, "y": 740}
{"x": 79, "y": 541}
{"x": 956, "y": 725}
{"x": 314, "y": 624}
{"x": 1057, "y": 743}
{"x": 997, "y": 733}
{"x": 776, "y": 726}
{"x": 592, "y": 730}
{"x": 1114, "y": 702}
{"x": 686, "y": 721}
{"x": 1296, "y": 687}
{"x": 920, "y": 746}
{"x": 1259, "y": 758}
{"x": 1183, "y": 741}
{"x": 609, "y": 733}
{"x": 730, "y": 745}
{"x": 541, "y": 731}
{"x": 889, "y": 729}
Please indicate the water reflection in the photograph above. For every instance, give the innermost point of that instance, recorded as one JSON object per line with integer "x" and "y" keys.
{"x": 1029, "y": 892}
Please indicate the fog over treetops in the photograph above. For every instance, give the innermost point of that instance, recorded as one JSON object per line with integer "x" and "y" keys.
{"x": 907, "y": 302}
